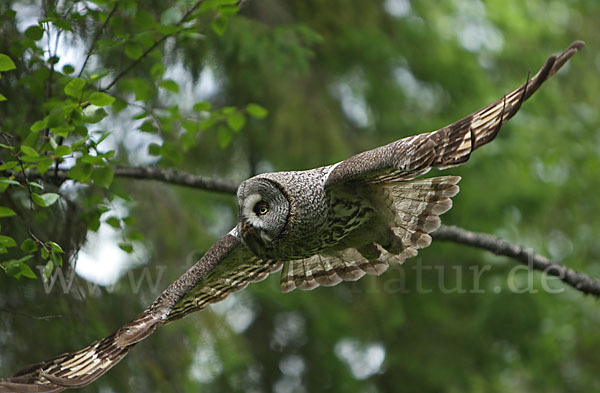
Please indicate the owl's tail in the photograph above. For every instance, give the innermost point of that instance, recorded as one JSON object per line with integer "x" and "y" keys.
{"x": 410, "y": 210}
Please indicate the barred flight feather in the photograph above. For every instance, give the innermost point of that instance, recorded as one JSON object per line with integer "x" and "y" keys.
{"x": 411, "y": 210}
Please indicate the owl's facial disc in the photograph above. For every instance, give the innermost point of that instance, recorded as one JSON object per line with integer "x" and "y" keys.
{"x": 263, "y": 213}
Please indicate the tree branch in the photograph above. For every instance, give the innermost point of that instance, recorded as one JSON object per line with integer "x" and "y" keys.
{"x": 580, "y": 281}
{"x": 165, "y": 175}
{"x": 173, "y": 176}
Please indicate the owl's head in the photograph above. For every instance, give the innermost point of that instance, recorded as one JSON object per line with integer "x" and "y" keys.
{"x": 263, "y": 211}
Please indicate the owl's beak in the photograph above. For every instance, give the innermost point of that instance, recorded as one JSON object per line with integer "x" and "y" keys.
{"x": 251, "y": 237}
{"x": 246, "y": 228}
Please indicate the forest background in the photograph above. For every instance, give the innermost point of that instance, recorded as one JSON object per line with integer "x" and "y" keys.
{"x": 226, "y": 90}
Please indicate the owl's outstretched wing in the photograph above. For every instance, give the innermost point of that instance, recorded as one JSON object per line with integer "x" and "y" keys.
{"x": 452, "y": 145}
{"x": 415, "y": 206}
{"x": 226, "y": 267}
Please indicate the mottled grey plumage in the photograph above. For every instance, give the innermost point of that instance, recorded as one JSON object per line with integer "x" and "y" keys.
{"x": 324, "y": 225}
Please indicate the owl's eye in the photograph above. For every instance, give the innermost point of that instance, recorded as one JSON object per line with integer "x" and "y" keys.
{"x": 261, "y": 208}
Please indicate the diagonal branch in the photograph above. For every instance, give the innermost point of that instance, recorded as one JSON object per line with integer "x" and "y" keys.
{"x": 580, "y": 281}
{"x": 154, "y": 46}
{"x": 96, "y": 37}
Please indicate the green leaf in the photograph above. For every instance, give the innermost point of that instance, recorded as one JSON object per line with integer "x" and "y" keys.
{"x": 148, "y": 126}
{"x": 30, "y": 158}
{"x": 44, "y": 165}
{"x": 44, "y": 200}
{"x": 94, "y": 160}
{"x": 44, "y": 253}
{"x": 119, "y": 105}
{"x": 256, "y": 111}
{"x": 133, "y": 50}
{"x": 157, "y": 70}
{"x": 62, "y": 150}
{"x": 127, "y": 247}
{"x": 9, "y": 182}
{"x": 171, "y": 154}
{"x": 26, "y": 271}
{"x": 171, "y": 16}
{"x": 48, "y": 269}
{"x": 213, "y": 4}
{"x": 34, "y": 33}
{"x": 229, "y": 10}
{"x": 56, "y": 259}
{"x": 29, "y": 151}
{"x": 228, "y": 110}
{"x": 36, "y": 185}
{"x": 62, "y": 131}
{"x": 7, "y": 241}
{"x": 81, "y": 172}
{"x": 8, "y": 165}
{"x": 154, "y": 149}
{"x": 56, "y": 247}
{"x": 170, "y": 85}
{"x": 18, "y": 267}
{"x": 114, "y": 222}
{"x": 62, "y": 24}
{"x": 75, "y": 87}
{"x": 29, "y": 245}
{"x": 224, "y": 136}
{"x": 93, "y": 114}
{"x": 5, "y": 183}
{"x": 167, "y": 29}
{"x": 144, "y": 18}
{"x": 6, "y": 212}
{"x": 6, "y": 64}
{"x": 141, "y": 88}
{"x": 68, "y": 69}
{"x": 101, "y": 99}
{"x": 2, "y": 98}
{"x": 39, "y": 125}
{"x": 202, "y": 106}
{"x": 219, "y": 24}
{"x": 236, "y": 121}
{"x": 103, "y": 176}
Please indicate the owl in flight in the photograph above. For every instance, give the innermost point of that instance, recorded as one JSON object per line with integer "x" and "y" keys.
{"x": 322, "y": 226}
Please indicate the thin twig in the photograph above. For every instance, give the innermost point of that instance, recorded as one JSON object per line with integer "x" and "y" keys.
{"x": 154, "y": 46}
{"x": 16, "y": 155}
{"x": 41, "y": 318}
{"x": 97, "y": 36}
{"x": 577, "y": 280}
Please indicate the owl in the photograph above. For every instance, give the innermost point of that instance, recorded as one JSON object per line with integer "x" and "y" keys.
{"x": 320, "y": 226}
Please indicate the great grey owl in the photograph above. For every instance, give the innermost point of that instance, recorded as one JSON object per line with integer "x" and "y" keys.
{"x": 325, "y": 225}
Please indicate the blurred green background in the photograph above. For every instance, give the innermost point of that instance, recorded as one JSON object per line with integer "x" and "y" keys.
{"x": 340, "y": 77}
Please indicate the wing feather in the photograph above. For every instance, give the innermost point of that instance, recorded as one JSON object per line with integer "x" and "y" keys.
{"x": 226, "y": 267}
{"x": 452, "y": 145}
